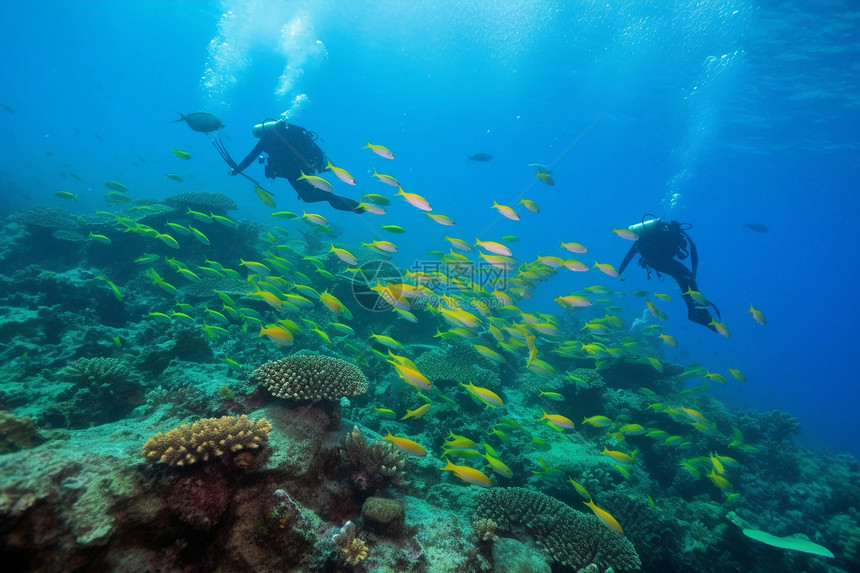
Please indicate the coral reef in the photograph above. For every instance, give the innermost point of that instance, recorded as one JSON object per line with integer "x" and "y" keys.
{"x": 352, "y": 548}
{"x": 373, "y": 466}
{"x": 210, "y": 437}
{"x": 383, "y": 515}
{"x": 17, "y": 433}
{"x": 569, "y": 537}
{"x": 458, "y": 363}
{"x": 202, "y": 201}
{"x": 311, "y": 377}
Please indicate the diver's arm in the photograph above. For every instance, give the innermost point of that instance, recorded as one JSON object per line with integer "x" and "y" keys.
{"x": 628, "y": 257}
{"x": 249, "y": 159}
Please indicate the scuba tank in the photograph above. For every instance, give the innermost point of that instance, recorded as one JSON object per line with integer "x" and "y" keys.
{"x": 645, "y": 225}
{"x": 267, "y": 126}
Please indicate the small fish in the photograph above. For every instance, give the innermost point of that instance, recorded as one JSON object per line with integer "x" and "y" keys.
{"x": 99, "y": 238}
{"x": 341, "y": 174}
{"x": 200, "y": 121}
{"x": 756, "y": 227}
{"x": 397, "y": 229}
{"x": 316, "y": 181}
{"x": 505, "y": 211}
{"x": 670, "y": 340}
{"x": 580, "y": 489}
{"x": 606, "y": 269}
{"x": 720, "y": 328}
{"x": 617, "y": 456}
{"x": 530, "y": 205}
{"x": 387, "y": 179}
{"x": 574, "y": 247}
{"x": 550, "y": 396}
{"x": 344, "y": 255}
{"x": 380, "y": 150}
{"x": 605, "y": 517}
{"x": 417, "y": 412}
{"x": 65, "y": 195}
{"x": 458, "y": 243}
{"x": 116, "y": 186}
{"x": 488, "y": 397}
{"x": 545, "y": 178}
{"x": 442, "y": 219}
{"x": 758, "y": 315}
{"x": 479, "y": 157}
{"x": 467, "y": 474}
{"x": 173, "y": 177}
{"x": 737, "y": 374}
{"x": 572, "y": 301}
{"x": 146, "y": 258}
{"x": 181, "y": 154}
{"x": 557, "y": 420}
{"x": 381, "y": 246}
{"x": 385, "y": 413}
{"x": 597, "y": 421}
{"x": 376, "y": 199}
{"x": 197, "y": 234}
{"x": 226, "y": 221}
{"x": 117, "y": 341}
{"x": 415, "y": 200}
{"x": 265, "y": 197}
{"x": 114, "y": 289}
{"x": 318, "y": 220}
{"x": 626, "y": 234}
{"x": 7, "y": 108}
{"x": 406, "y": 445}
{"x": 285, "y": 215}
{"x": 277, "y": 334}
{"x": 663, "y": 297}
{"x": 233, "y": 364}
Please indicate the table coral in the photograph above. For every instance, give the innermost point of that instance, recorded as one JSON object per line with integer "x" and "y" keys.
{"x": 311, "y": 377}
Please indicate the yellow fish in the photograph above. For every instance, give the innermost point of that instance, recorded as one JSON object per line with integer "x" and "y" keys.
{"x": 442, "y": 219}
{"x": 605, "y": 517}
{"x": 316, "y": 181}
{"x": 406, "y": 445}
{"x": 506, "y": 211}
{"x": 606, "y": 269}
{"x": 467, "y": 474}
{"x": 574, "y": 247}
{"x": 181, "y": 154}
{"x": 99, "y": 238}
{"x": 380, "y": 150}
{"x": 738, "y": 374}
{"x": 617, "y": 456}
{"x": 557, "y": 420}
{"x": 670, "y": 340}
{"x": 721, "y": 328}
{"x": 530, "y": 205}
{"x": 65, "y": 195}
{"x": 626, "y": 234}
{"x": 344, "y": 255}
{"x": 265, "y": 197}
{"x": 758, "y": 315}
{"x": 488, "y": 397}
{"x": 415, "y": 200}
{"x": 277, "y": 334}
{"x": 417, "y": 412}
{"x": 341, "y": 174}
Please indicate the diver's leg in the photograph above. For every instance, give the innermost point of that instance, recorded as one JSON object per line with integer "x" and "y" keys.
{"x": 684, "y": 277}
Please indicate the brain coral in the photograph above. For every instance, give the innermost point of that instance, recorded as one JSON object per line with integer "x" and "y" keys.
{"x": 571, "y": 538}
{"x": 210, "y": 437}
{"x": 311, "y": 377}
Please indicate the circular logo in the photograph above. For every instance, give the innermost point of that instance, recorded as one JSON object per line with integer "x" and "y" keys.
{"x": 368, "y": 276}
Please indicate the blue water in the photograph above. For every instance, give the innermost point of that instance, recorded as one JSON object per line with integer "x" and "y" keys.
{"x": 712, "y": 113}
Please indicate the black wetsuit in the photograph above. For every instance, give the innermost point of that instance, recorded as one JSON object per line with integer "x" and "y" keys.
{"x": 658, "y": 246}
{"x": 292, "y": 150}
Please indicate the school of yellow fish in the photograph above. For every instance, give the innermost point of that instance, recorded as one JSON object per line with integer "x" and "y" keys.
{"x": 486, "y": 316}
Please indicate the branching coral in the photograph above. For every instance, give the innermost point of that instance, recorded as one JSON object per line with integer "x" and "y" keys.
{"x": 98, "y": 371}
{"x": 485, "y": 529}
{"x": 376, "y": 465}
{"x": 311, "y": 377}
{"x": 210, "y": 437}
{"x": 569, "y": 537}
{"x": 353, "y": 549}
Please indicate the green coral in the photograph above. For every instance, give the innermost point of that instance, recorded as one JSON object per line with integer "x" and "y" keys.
{"x": 459, "y": 364}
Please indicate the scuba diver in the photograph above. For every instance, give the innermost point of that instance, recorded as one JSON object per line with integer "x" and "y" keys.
{"x": 658, "y": 244}
{"x": 293, "y": 154}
